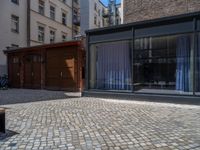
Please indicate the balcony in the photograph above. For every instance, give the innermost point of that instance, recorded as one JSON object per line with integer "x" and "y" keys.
{"x": 76, "y": 20}
{"x": 105, "y": 14}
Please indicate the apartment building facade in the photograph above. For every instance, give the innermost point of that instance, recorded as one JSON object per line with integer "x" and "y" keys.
{"x": 94, "y": 14}
{"x": 139, "y": 10}
{"x": 13, "y": 29}
{"x": 35, "y": 22}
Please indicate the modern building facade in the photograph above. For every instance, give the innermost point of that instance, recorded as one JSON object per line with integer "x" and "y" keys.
{"x": 27, "y": 23}
{"x": 138, "y": 10}
{"x": 94, "y": 14}
{"x": 159, "y": 57}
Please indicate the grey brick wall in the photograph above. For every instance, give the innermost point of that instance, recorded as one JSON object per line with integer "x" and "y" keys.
{"x": 138, "y": 10}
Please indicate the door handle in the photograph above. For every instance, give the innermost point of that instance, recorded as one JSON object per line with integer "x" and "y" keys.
{"x": 32, "y": 74}
{"x": 61, "y": 74}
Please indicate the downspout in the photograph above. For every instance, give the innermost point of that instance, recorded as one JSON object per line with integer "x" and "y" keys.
{"x": 72, "y": 18}
{"x": 28, "y": 23}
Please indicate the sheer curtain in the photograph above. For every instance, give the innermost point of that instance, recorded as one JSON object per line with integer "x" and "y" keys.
{"x": 183, "y": 64}
{"x": 114, "y": 66}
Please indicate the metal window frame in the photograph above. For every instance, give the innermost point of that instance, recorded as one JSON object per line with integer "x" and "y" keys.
{"x": 193, "y": 17}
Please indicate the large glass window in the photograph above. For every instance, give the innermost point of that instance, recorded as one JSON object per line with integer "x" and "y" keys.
{"x": 110, "y": 66}
{"x": 164, "y": 64}
{"x": 197, "y": 67}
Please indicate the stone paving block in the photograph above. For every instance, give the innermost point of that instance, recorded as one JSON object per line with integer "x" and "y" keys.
{"x": 94, "y": 123}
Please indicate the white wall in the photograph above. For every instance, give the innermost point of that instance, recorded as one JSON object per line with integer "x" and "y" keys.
{"x": 7, "y": 8}
{"x": 93, "y": 13}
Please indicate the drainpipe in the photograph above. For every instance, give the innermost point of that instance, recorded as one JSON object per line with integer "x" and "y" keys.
{"x": 28, "y": 23}
{"x": 72, "y": 18}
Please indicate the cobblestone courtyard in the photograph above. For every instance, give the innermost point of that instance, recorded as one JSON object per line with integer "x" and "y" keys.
{"x": 94, "y": 123}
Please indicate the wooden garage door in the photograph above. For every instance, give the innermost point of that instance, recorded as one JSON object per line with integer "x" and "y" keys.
{"x": 14, "y": 72}
{"x": 32, "y": 71}
{"x": 60, "y": 70}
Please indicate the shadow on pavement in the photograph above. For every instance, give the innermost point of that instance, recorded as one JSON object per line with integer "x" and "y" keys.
{"x": 14, "y": 96}
{"x": 5, "y": 136}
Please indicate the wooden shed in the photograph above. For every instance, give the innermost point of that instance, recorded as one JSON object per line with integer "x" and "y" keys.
{"x": 57, "y": 66}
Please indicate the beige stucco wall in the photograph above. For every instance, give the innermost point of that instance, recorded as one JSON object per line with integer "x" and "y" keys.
{"x": 37, "y": 19}
{"x": 7, "y": 8}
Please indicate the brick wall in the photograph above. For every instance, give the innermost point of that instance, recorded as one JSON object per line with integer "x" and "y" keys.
{"x": 138, "y": 10}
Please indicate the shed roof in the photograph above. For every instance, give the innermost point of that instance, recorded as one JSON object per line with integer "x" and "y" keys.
{"x": 44, "y": 46}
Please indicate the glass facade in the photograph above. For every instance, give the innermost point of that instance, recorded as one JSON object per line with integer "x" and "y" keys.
{"x": 152, "y": 61}
{"x": 164, "y": 64}
{"x": 197, "y": 68}
{"x": 111, "y": 66}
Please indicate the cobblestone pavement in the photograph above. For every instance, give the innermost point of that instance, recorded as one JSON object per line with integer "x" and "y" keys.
{"x": 94, "y": 123}
{"x": 13, "y": 96}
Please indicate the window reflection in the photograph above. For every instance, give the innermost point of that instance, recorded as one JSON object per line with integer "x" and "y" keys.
{"x": 163, "y": 64}
{"x": 110, "y": 66}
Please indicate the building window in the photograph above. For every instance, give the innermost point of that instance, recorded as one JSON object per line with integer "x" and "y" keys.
{"x": 95, "y": 20}
{"x": 15, "y": 1}
{"x": 64, "y": 37}
{"x": 103, "y": 22}
{"x": 99, "y": 12}
{"x": 14, "y": 45}
{"x": 15, "y": 24}
{"x": 110, "y": 66}
{"x": 64, "y": 1}
{"x": 40, "y": 34}
{"x": 163, "y": 64}
{"x": 41, "y": 7}
{"x": 15, "y": 60}
{"x": 95, "y": 6}
{"x": 64, "y": 18}
{"x": 52, "y": 36}
{"x": 197, "y": 67}
{"x": 76, "y": 1}
{"x": 75, "y": 14}
{"x": 99, "y": 24}
{"x": 52, "y": 12}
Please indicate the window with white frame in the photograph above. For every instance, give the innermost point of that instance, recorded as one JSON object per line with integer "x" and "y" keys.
{"x": 95, "y": 6}
{"x": 64, "y": 18}
{"x": 14, "y": 23}
{"x": 52, "y": 12}
{"x": 41, "y": 34}
{"x": 76, "y": 1}
{"x": 15, "y": 1}
{"x": 64, "y": 37}
{"x": 99, "y": 12}
{"x": 41, "y": 7}
{"x": 99, "y": 24}
{"x": 95, "y": 20}
{"x": 52, "y": 36}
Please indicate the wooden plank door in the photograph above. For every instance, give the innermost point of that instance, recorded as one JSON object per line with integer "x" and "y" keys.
{"x": 14, "y": 72}
{"x": 53, "y": 73}
{"x": 32, "y": 71}
{"x": 28, "y": 72}
{"x": 36, "y": 71}
{"x": 67, "y": 71}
